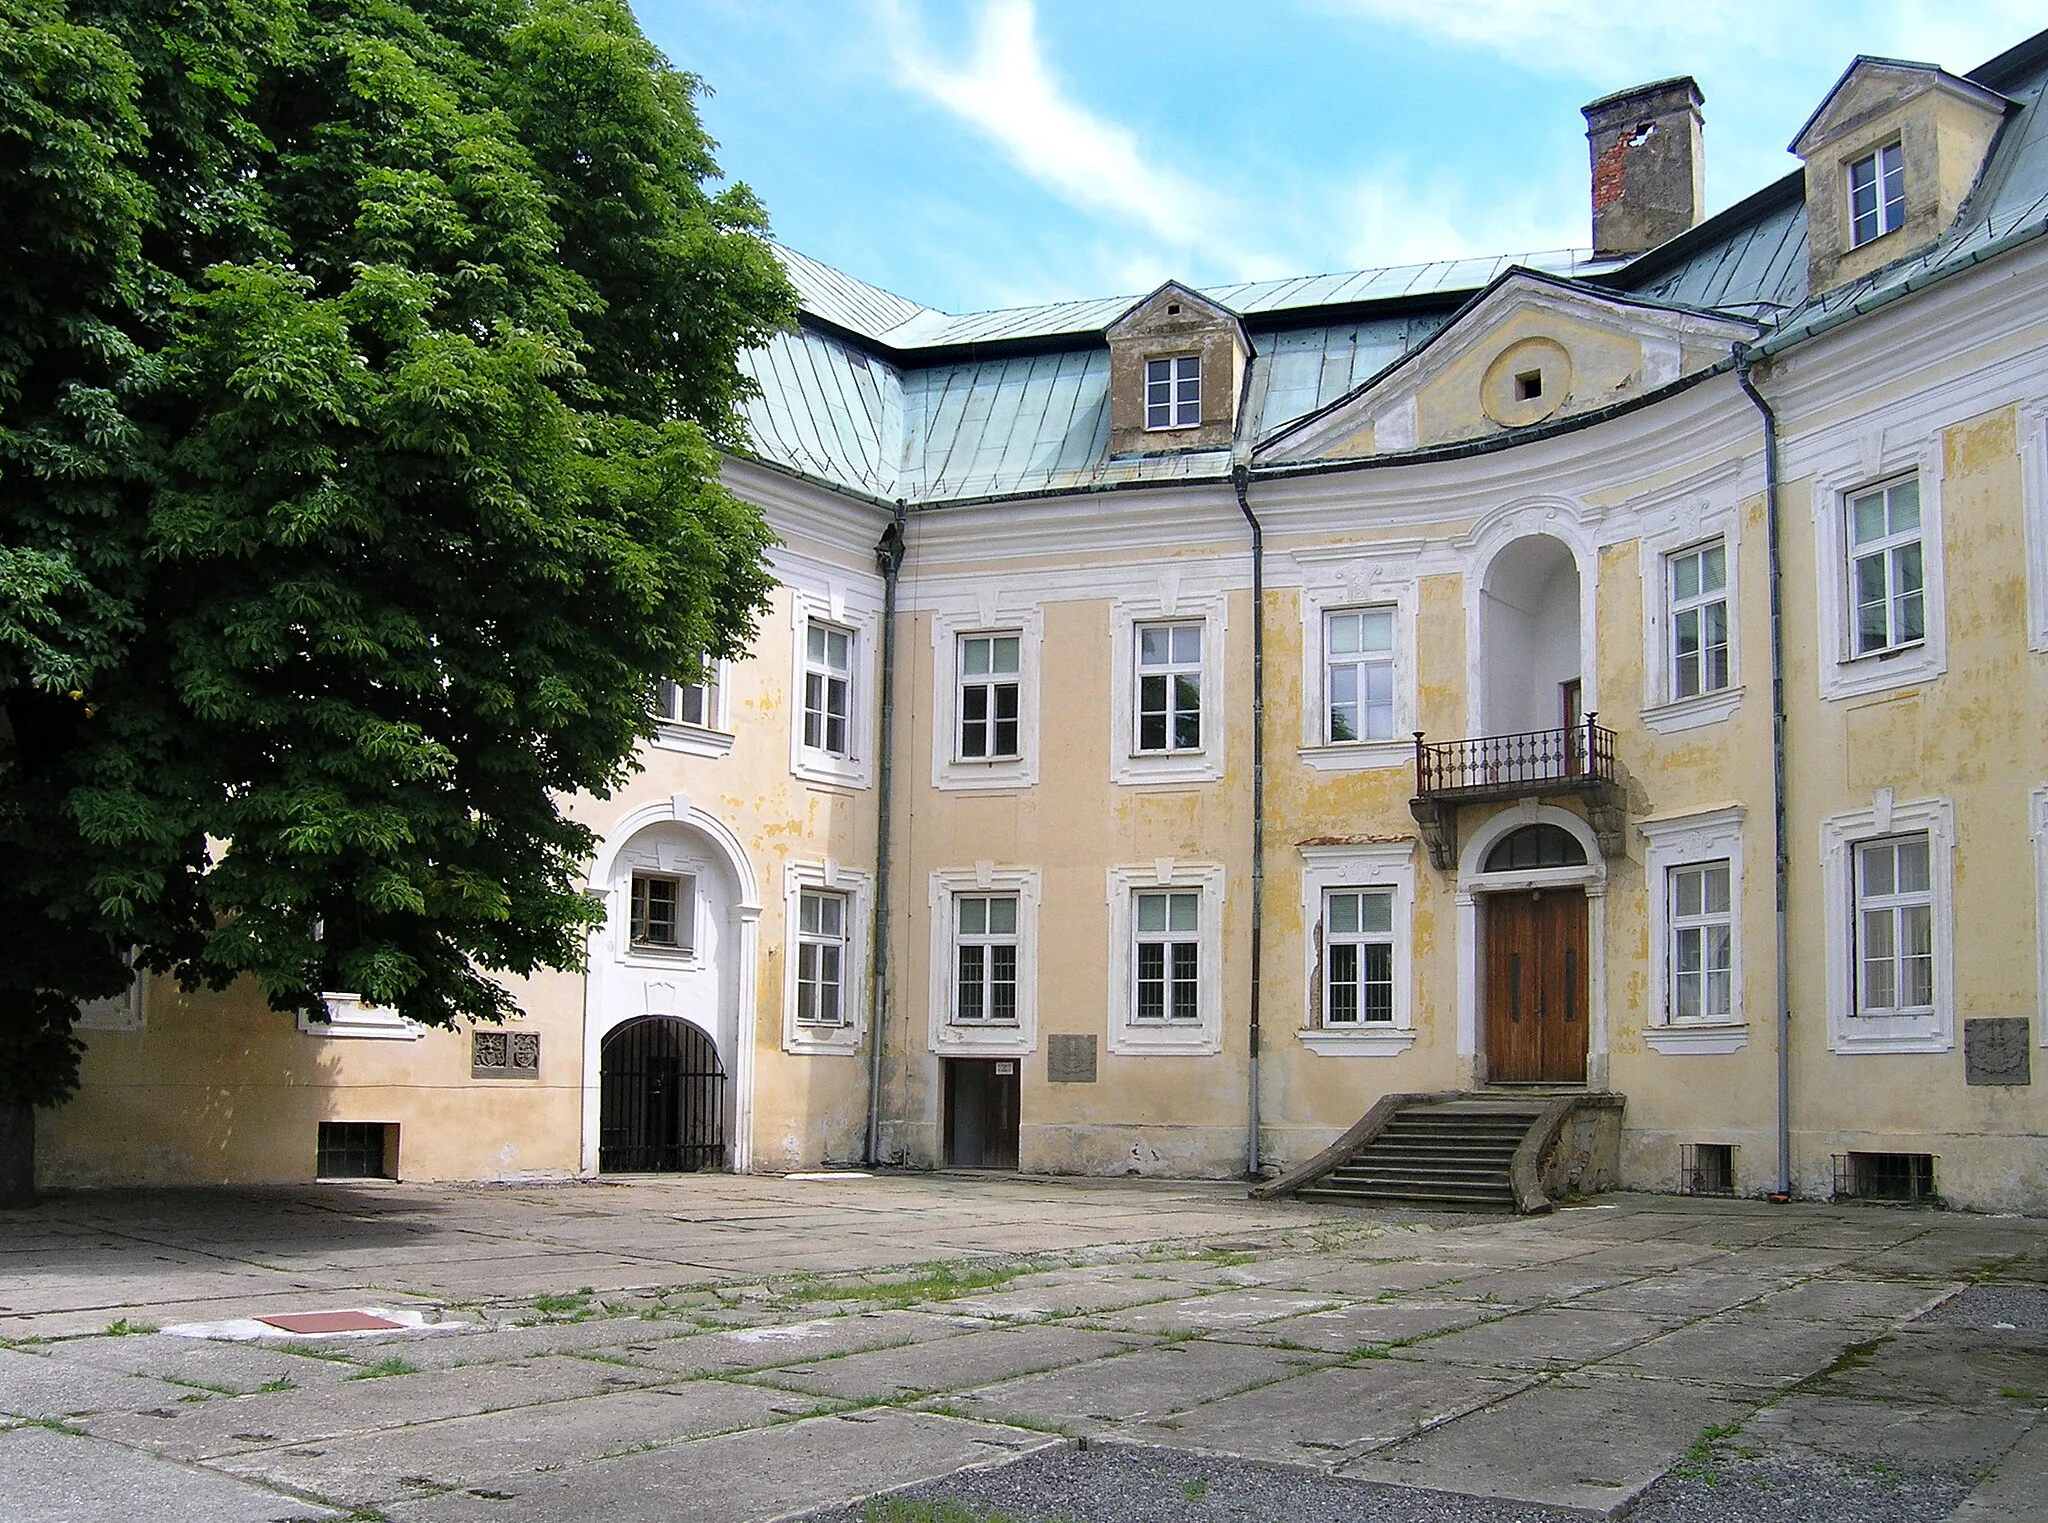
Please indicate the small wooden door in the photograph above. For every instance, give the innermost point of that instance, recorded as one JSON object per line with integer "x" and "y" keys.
{"x": 981, "y": 1113}
{"x": 1536, "y": 986}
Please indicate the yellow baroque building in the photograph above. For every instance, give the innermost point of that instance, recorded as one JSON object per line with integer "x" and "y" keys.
{"x": 1606, "y": 686}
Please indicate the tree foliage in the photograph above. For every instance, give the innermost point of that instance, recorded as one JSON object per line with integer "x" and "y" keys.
{"x": 362, "y": 370}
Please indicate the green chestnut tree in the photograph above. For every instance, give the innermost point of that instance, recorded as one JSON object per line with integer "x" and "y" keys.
{"x": 363, "y": 368}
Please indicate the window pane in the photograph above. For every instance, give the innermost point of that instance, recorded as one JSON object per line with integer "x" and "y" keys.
{"x": 1187, "y": 909}
{"x": 1713, "y": 568}
{"x": 1688, "y": 948}
{"x": 973, "y": 916}
{"x": 1151, "y": 981}
{"x": 814, "y": 642}
{"x": 1344, "y": 634}
{"x": 1379, "y": 983}
{"x": 1377, "y": 913}
{"x": 1151, "y": 912}
{"x": 1002, "y": 917}
{"x": 1187, "y": 960}
{"x": 1685, "y": 576}
{"x": 1377, "y": 629}
{"x": 1006, "y": 738}
{"x": 1866, "y": 516}
{"x": 1912, "y": 860}
{"x": 970, "y": 1002}
{"x": 1003, "y": 659}
{"x": 1002, "y": 987}
{"x": 1904, "y": 503}
{"x": 1906, "y": 584}
{"x": 1343, "y": 985}
{"x": 1877, "y": 870}
{"x": 831, "y": 914}
{"x": 1719, "y": 948}
{"x": 1685, "y": 892}
{"x": 1153, "y": 646}
{"x": 1717, "y": 996}
{"x": 1343, "y": 914}
{"x": 836, "y": 649}
{"x": 1714, "y": 890}
{"x": 1187, "y": 643}
{"x": 974, "y": 657}
{"x": 1158, "y": 370}
{"x": 1187, "y": 718}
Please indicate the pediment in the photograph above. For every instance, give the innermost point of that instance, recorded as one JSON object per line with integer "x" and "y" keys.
{"x": 1872, "y": 87}
{"x": 1172, "y": 307}
{"x": 1528, "y": 350}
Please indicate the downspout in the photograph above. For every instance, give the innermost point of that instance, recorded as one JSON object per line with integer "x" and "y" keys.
{"x": 889, "y": 551}
{"x": 1240, "y": 478}
{"x": 1780, "y": 841}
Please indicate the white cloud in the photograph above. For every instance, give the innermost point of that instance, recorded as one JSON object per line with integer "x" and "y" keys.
{"x": 1005, "y": 91}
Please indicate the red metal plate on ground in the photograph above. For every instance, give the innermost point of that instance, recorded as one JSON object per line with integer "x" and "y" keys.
{"x": 331, "y": 1322}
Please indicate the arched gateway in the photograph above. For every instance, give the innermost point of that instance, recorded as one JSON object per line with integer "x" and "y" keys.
{"x": 662, "y": 1106}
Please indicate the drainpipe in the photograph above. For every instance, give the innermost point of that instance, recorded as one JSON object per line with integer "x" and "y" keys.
{"x": 1782, "y": 845}
{"x": 889, "y": 552}
{"x": 1240, "y": 478}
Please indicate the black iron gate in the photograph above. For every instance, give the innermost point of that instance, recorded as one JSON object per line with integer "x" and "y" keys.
{"x": 661, "y": 1099}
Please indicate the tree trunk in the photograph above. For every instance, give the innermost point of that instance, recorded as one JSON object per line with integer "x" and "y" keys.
{"x": 17, "y": 1155}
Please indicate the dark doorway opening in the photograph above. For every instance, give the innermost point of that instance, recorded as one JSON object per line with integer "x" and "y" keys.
{"x": 1536, "y": 986}
{"x": 661, "y": 1099}
{"x": 981, "y": 1113}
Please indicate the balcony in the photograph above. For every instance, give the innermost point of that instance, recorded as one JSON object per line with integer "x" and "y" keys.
{"x": 1575, "y": 761}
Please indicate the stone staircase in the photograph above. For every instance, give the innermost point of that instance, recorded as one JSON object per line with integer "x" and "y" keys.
{"x": 1466, "y": 1151}
{"x": 1456, "y": 1155}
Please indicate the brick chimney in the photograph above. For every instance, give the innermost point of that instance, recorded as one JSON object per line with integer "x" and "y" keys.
{"x": 1649, "y": 172}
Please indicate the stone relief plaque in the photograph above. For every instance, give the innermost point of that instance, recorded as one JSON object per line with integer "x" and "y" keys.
{"x": 1996, "y": 1051}
{"x": 1070, "y": 1059}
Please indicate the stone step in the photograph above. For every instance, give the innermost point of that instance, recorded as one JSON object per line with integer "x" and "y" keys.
{"x": 1434, "y": 1196}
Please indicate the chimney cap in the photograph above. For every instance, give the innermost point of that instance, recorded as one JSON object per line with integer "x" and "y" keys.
{"x": 1681, "y": 89}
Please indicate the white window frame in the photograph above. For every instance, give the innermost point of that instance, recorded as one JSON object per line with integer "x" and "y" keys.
{"x": 863, "y": 622}
{"x": 1202, "y": 1036}
{"x": 349, "y": 1016}
{"x": 660, "y": 858}
{"x": 1127, "y": 764}
{"x": 950, "y": 1038}
{"x": 714, "y": 737}
{"x": 2037, "y": 818}
{"x": 1882, "y": 209}
{"x": 126, "y": 1011}
{"x": 2033, "y": 424}
{"x": 1840, "y": 835}
{"x": 1843, "y": 673}
{"x": 950, "y": 771}
{"x": 1662, "y": 712}
{"x": 1175, "y": 404}
{"x": 1885, "y": 549}
{"x": 684, "y": 948}
{"x": 1327, "y": 869}
{"x": 1355, "y": 584}
{"x": 1683, "y": 841}
{"x": 1891, "y": 904}
{"x": 857, "y": 888}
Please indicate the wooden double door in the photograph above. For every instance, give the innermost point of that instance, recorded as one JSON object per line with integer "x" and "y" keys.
{"x": 1536, "y": 986}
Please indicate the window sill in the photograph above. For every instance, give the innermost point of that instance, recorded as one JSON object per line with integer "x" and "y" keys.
{"x": 656, "y": 957}
{"x": 1192, "y": 1039}
{"x": 1364, "y": 1042}
{"x": 1142, "y": 767}
{"x": 1008, "y": 1039}
{"x": 1883, "y": 671}
{"x": 821, "y": 1041}
{"x": 1692, "y": 713}
{"x": 1706, "y": 1037}
{"x": 1358, "y": 755}
{"x": 348, "y": 1016}
{"x": 1878, "y": 1033}
{"x": 692, "y": 740}
{"x": 1002, "y": 774}
{"x": 833, "y": 771}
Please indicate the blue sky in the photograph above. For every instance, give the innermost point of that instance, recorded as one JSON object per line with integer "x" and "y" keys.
{"x": 972, "y": 154}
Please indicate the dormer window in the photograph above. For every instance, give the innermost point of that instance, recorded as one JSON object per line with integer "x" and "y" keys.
{"x": 1173, "y": 392}
{"x": 1877, "y": 194}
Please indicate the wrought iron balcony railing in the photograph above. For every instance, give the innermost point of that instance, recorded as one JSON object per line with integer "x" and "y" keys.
{"x": 1573, "y": 759}
{"x": 1536, "y": 761}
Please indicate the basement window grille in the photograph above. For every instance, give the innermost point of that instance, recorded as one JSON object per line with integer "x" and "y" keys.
{"x": 1706, "y": 1168}
{"x": 1885, "y": 1176}
{"x": 504, "y": 1055}
{"x": 357, "y": 1150}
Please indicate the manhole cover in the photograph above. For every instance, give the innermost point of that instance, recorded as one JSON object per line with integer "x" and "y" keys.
{"x": 331, "y": 1322}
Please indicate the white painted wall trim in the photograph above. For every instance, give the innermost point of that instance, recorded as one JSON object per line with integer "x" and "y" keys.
{"x": 856, "y": 977}
{"x": 1839, "y": 835}
{"x": 1386, "y": 866}
{"x": 951, "y": 772}
{"x": 983, "y": 1039}
{"x": 1709, "y": 836}
{"x": 1167, "y": 599}
{"x": 1203, "y": 1037}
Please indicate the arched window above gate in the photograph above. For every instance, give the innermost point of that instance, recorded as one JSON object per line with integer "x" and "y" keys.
{"x": 1535, "y": 846}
